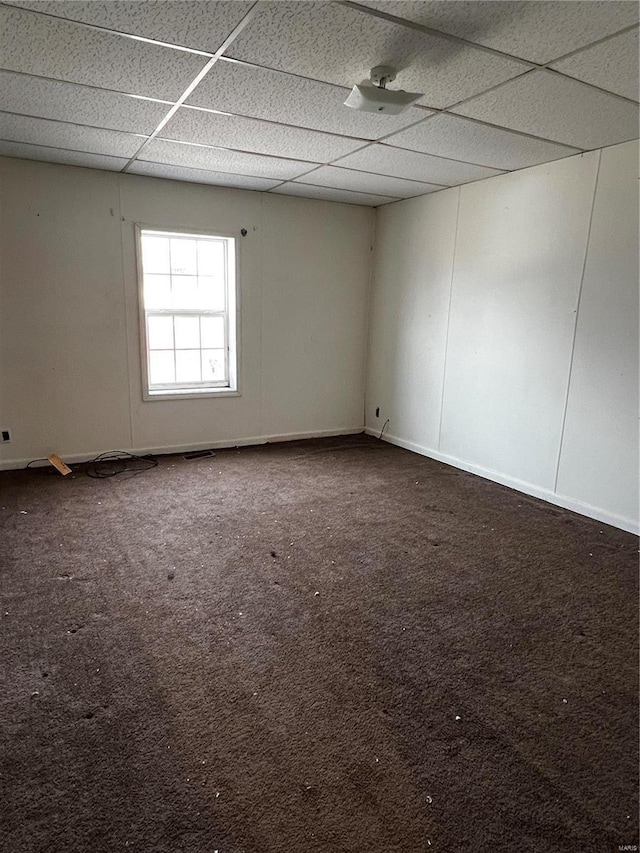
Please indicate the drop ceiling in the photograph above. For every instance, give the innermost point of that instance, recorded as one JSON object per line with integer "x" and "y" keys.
{"x": 244, "y": 94}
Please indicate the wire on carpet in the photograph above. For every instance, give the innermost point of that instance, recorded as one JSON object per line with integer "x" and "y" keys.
{"x": 384, "y": 426}
{"x": 115, "y": 462}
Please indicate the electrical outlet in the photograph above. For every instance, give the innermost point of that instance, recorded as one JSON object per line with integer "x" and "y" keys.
{"x": 6, "y": 435}
{"x": 378, "y": 412}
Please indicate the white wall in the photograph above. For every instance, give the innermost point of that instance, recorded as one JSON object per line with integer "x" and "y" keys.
{"x": 69, "y": 350}
{"x": 503, "y": 333}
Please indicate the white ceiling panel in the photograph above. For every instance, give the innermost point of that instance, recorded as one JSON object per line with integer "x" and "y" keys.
{"x": 349, "y": 179}
{"x": 247, "y": 134}
{"x": 399, "y": 163}
{"x": 35, "y": 96}
{"x": 611, "y": 65}
{"x": 59, "y": 134}
{"x": 546, "y": 104}
{"x": 447, "y": 135}
{"x": 340, "y": 45}
{"x": 201, "y": 176}
{"x": 220, "y": 160}
{"x": 198, "y": 24}
{"x": 37, "y": 44}
{"x": 327, "y": 194}
{"x": 534, "y": 29}
{"x": 24, "y": 151}
{"x": 267, "y": 94}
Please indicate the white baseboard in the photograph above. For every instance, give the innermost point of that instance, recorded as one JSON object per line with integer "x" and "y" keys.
{"x": 547, "y": 495}
{"x": 71, "y": 458}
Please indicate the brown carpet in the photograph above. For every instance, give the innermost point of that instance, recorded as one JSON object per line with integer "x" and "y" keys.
{"x": 330, "y": 646}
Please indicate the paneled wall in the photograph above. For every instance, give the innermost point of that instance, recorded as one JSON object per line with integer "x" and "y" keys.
{"x": 503, "y": 333}
{"x": 69, "y": 343}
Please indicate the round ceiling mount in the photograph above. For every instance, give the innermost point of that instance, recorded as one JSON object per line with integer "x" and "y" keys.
{"x": 381, "y": 75}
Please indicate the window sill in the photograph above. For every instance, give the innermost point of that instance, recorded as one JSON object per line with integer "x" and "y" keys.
{"x": 190, "y": 394}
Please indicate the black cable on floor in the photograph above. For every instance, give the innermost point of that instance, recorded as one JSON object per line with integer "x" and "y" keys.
{"x": 115, "y": 462}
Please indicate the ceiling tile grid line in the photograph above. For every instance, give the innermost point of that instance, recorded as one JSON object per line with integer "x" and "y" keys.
{"x": 371, "y": 10}
{"x": 225, "y": 44}
{"x": 385, "y": 138}
{"x": 107, "y": 30}
{"x": 275, "y": 181}
{"x": 404, "y": 22}
{"x": 633, "y": 101}
{"x": 182, "y": 144}
{"x": 238, "y": 111}
{"x": 536, "y": 31}
{"x": 78, "y": 124}
{"x": 163, "y": 7}
{"x": 460, "y": 102}
{"x": 591, "y": 44}
{"x": 245, "y": 116}
{"x": 188, "y": 106}
{"x": 37, "y": 10}
{"x": 29, "y": 76}
{"x": 419, "y": 106}
{"x": 62, "y": 150}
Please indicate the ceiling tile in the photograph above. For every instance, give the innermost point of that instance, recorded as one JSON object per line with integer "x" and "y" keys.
{"x": 37, "y": 44}
{"x": 247, "y": 134}
{"x": 450, "y": 136}
{"x": 200, "y": 176}
{"x": 327, "y": 194}
{"x": 198, "y": 24}
{"x": 340, "y": 45}
{"x": 399, "y": 163}
{"x": 273, "y": 95}
{"x": 533, "y": 29}
{"x": 24, "y": 151}
{"x": 349, "y": 179}
{"x": 611, "y": 65}
{"x": 35, "y": 96}
{"x": 557, "y": 108}
{"x": 221, "y": 160}
{"x": 58, "y": 134}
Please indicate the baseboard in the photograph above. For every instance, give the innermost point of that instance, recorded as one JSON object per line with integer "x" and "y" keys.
{"x": 547, "y": 495}
{"x": 72, "y": 458}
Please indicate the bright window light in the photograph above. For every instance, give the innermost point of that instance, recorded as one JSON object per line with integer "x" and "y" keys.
{"x": 188, "y": 316}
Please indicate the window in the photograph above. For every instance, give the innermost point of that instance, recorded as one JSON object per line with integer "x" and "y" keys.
{"x": 188, "y": 313}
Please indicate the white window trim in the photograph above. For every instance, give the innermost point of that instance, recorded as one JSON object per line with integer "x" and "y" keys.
{"x": 234, "y": 344}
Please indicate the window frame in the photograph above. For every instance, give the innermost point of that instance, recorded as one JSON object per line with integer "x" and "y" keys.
{"x": 188, "y": 391}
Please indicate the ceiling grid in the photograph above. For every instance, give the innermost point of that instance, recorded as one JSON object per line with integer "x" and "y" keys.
{"x": 250, "y": 94}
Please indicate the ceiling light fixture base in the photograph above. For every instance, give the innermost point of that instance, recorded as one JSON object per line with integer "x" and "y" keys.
{"x": 372, "y": 96}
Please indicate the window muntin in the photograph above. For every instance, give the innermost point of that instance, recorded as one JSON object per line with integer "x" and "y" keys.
{"x": 188, "y": 292}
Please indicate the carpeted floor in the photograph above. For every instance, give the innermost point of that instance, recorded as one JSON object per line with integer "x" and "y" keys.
{"x": 330, "y": 646}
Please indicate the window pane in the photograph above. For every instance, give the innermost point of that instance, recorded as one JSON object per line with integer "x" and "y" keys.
{"x": 213, "y": 365}
{"x": 187, "y": 333}
{"x": 188, "y": 366}
{"x": 211, "y": 293}
{"x": 161, "y": 368}
{"x": 183, "y": 257}
{"x": 211, "y": 258}
{"x": 157, "y": 291}
{"x": 184, "y": 291}
{"x": 155, "y": 254}
{"x": 160, "y": 332}
{"x": 213, "y": 332}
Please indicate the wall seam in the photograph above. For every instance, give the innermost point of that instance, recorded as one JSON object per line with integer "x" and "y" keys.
{"x": 446, "y": 339}
{"x": 575, "y": 325}
{"x": 367, "y": 318}
{"x": 126, "y": 312}
{"x": 263, "y": 200}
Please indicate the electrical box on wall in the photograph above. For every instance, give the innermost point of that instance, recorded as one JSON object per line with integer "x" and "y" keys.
{"x": 5, "y": 434}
